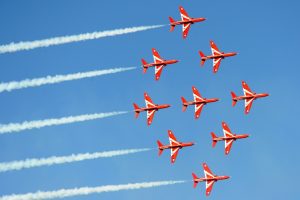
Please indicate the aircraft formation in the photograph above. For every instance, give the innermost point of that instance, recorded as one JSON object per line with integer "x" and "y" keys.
{"x": 159, "y": 64}
{"x": 198, "y": 101}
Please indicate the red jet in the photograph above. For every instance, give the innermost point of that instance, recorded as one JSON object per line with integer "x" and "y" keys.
{"x": 217, "y": 56}
{"x": 186, "y": 22}
{"x": 159, "y": 63}
{"x": 150, "y": 108}
{"x": 229, "y": 138}
{"x": 199, "y": 102}
{"x": 175, "y": 146}
{"x": 249, "y": 97}
{"x": 210, "y": 179}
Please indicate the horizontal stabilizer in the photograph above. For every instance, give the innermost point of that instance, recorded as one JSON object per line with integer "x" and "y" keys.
{"x": 214, "y": 142}
{"x": 203, "y": 59}
{"x": 160, "y": 150}
{"x": 136, "y": 107}
{"x": 233, "y": 96}
{"x": 172, "y": 26}
{"x": 184, "y": 103}
{"x": 194, "y": 179}
{"x": 144, "y": 67}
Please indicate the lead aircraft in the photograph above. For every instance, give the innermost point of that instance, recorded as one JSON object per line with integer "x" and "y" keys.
{"x": 150, "y": 108}
{"x": 199, "y": 102}
{"x": 249, "y": 97}
{"x": 209, "y": 179}
{"x": 217, "y": 56}
{"x": 186, "y": 22}
{"x": 174, "y": 146}
{"x": 229, "y": 138}
{"x": 159, "y": 63}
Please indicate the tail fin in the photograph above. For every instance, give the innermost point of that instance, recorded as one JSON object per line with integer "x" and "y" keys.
{"x": 172, "y": 26}
{"x": 160, "y": 150}
{"x": 184, "y": 103}
{"x": 203, "y": 59}
{"x": 136, "y": 107}
{"x": 214, "y": 142}
{"x": 144, "y": 63}
{"x": 233, "y": 95}
{"x": 194, "y": 179}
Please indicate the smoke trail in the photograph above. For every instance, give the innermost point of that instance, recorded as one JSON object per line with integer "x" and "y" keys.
{"x": 14, "y": 85}
{"x": 13, "y": 47}
{"x": 54, "y": 160}
{"x": 86, "y": 190}
{"x": 16, "y": 127}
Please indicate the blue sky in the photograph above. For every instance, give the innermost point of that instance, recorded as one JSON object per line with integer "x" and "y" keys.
{"x": 264, "y": 33}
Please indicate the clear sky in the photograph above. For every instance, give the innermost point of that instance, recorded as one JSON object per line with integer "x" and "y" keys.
{"x": 264, "y": 33}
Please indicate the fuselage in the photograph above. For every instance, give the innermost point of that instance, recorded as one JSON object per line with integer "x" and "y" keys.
{"x": 215, "y": 178}
{"x": 165, "y": 62}
{"x": 156, "y": 108}
{"x": 234, "y": 137}
{"x": 181, "y": 145}
{"x": 190, "y": 21}
{"x": 204, "y": 101}
{"x": 255, "y": 96}
{"x": 222, "y": 55}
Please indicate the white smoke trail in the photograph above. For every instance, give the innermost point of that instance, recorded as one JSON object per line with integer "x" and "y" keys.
{"x": 86, "y": 190}
{"x": 14, "y": 85}
{"x": 16, "y": 127}
{"x": 13, "y": 47}
{"x": 54, "y": 160}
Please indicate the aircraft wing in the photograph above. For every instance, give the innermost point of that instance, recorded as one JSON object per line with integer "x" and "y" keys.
{"x": 183, "y": 14}
{"x": 209, "y": 186}
{"x": 158, "y": 71}
{"x": 196, "y": 94}
{"x": 174, "y": 153}
{"x": 208, "y": 174}
{"x": 248, "y": 104}
{"x": 185, "y": 30}
{"x": 207, "y": 171}
{"x": 228, "y": 144}
{"x": 214, "y": 49}
{"x": 148, "y": 101}
{"x": 156, "y": 56}
{"x": 246, "y": 89}
{"x": 216, "y": 63}
{"x": 150, "y": 115}
{"x": 226, "y": 130}
{"x": 172, "y": 139}
{"x": 198, "y": 109}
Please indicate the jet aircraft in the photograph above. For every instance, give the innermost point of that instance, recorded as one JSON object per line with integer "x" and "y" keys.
{"x": 229, "y": 138}
{"x": 186, "y": 22}
{"x": 209, "y": 179}
{"x": 217, "y": 56}
{"x": 174, "y": 146}
{"x": 199, "y": 102}
{"x": 159, "y": 63}
{"x": 150, "y": 108}
{"x": 249, "y": 97}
